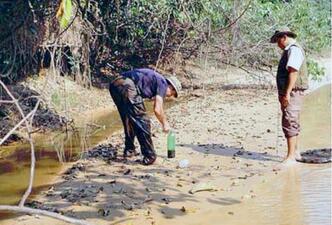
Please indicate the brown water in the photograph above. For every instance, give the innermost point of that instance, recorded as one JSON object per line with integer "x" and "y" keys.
{"x": 298, "y": 195}
{"x": 52, "y": 152}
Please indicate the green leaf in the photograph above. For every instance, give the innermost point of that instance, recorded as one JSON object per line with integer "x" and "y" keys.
{"x": 67, "y": 13}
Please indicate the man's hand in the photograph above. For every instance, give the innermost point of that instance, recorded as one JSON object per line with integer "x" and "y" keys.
{"x": 284, "y": 100}
{"x": 166, "y": 127}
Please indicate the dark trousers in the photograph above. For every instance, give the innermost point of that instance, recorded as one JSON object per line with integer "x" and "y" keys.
{"x": 133, "y": 115}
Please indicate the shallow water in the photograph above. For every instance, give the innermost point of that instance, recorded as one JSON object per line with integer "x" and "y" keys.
{"x": 297, "y": 195}
{"x": 50, "y": 150}
{"x": 300, "y": 194}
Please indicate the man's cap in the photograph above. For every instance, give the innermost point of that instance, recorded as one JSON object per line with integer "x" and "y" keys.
{"x": 281, "y": 32}
{"x": 175, "y": 83}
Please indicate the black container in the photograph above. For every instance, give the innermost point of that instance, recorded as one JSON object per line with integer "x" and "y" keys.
{"x": 171, "y": 154}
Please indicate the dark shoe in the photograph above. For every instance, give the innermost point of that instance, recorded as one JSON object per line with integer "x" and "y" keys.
{"x": 149, "y": 160}
{"x": 130, "y": 153}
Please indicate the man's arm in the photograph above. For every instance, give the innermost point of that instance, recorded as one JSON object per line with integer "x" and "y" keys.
{"x": 292, "y": 77}
{"x": 159, "y": 112}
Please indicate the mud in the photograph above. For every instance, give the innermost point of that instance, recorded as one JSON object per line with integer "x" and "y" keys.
{"x": 44, "y": 119}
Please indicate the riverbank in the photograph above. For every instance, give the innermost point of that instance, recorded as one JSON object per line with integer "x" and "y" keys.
{"x": 232, "y": 140}
{"x": 229, "y": 139}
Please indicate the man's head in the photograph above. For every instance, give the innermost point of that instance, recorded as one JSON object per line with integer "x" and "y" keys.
{"x": 174, "y": 87}
{"x": 282, "y": 37}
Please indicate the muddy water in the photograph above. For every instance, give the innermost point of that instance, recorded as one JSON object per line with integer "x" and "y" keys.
{"x": 50, "y": 150}
{"x": 300, "y": 194}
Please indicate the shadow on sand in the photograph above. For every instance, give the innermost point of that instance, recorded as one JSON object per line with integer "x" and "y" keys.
{"x": 230, "y": 151}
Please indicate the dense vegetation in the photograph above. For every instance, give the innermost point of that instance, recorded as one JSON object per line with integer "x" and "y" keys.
{"x": 122, "y": 34}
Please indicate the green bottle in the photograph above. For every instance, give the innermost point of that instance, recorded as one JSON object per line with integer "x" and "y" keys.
{"x": 171, "y": 144}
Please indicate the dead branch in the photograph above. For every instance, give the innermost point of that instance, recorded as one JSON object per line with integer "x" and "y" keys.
{"x": 15, "y": 128}
{"x": 235, "y": 20}
{"x": 28, "y": 210}
{"x": 164, "y": 39}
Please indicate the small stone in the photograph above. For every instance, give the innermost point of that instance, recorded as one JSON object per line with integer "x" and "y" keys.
{"x": 104, "y": 212}
{"x": 127, "y": 172}
{"x": 166, "y": 200}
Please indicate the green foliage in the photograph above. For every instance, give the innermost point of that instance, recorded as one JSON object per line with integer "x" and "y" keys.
{"x": 66, "y": 14}
{"x": 132, "y": 33}
{"x": 315, "y": 71}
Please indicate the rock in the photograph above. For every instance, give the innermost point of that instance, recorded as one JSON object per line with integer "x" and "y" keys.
{"x": 197, "y": 93}
{"x": 112, "y": 181}
{"x": 245, "y": 197}
{"x": 127, "y": 172}
{"x": 235, "y": 183}
{"x": 129, "y": 207}
{"x": 104, "y": 212}
{"x": 75, "y": 168}
{"x": 148, "y": 199}
{"x": 166, "y": 200}
{"x": 106, "y": 152}
{"x": 40, "y": 205}
{"x": 187, "y": 210}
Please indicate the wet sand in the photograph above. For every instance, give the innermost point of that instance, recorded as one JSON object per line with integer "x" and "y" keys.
{"x": 229, "y": 138}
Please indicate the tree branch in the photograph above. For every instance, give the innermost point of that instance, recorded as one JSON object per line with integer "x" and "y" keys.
{"x": 28, "y": 210}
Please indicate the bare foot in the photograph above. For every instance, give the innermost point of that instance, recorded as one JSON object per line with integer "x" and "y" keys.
{"x": 289, "y": 162}
{"x": 286, "y": 163}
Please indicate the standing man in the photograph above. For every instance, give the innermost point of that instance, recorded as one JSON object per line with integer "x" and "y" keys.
{"x": 128, "y": 92}
{"x": 292, "y": 81}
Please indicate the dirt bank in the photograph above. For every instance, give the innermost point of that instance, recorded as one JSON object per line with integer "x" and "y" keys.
{"x": 44, "y": 118}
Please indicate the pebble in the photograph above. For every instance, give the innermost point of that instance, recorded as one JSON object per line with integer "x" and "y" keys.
{"x": 184, "y": 163}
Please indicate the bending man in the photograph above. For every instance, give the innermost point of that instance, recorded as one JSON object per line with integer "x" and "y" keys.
{"x": 128, "y": 92}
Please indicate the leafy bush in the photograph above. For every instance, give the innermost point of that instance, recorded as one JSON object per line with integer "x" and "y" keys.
{"x": 315, "y": 71}
{"x": 136, "y": 33}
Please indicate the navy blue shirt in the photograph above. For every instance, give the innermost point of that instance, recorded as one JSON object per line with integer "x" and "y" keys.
{"x": 149, "y": 82}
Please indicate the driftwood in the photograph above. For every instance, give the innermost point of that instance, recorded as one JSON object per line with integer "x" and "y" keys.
{"x": 27, "y": 121}
{"x": 27, "y": 210}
